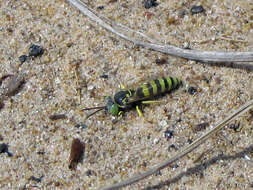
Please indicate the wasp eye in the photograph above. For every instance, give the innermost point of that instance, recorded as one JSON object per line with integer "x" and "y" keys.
{"x": 111, "y": 107}
{"x": 114, "y": 110}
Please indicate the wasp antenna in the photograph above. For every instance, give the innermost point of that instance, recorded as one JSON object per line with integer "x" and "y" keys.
{"x": 94, "y": 112}
{"x": 94, "y": 108}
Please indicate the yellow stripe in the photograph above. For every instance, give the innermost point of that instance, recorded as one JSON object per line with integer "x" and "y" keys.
{"x": 169, "y": 82}
{"x": 145, "y": 91}
{"x": 175, "y": 81}
{"x": 152, "y": 82}
{"x": 161, "y": 81}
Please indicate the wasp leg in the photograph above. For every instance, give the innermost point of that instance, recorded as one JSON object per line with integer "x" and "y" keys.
{"x": 151, "y": 102}
{"x": 122, "y": 86}
{"x": 120, "y": 114}
{"x": 141, "y": 114}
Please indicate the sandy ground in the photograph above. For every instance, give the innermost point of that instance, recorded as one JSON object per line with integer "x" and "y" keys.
{"x": 75, "y": 46}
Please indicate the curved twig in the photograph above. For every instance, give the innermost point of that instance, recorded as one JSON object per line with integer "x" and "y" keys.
{"x": 205, "y": 56}
{"x": 185, "y": 151}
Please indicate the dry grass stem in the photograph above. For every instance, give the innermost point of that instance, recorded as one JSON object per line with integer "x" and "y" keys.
{"x": 186, "y": 150}
{"x": 205, "y": 56}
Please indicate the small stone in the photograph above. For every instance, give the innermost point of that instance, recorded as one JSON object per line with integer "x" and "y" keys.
{"x": 4, "y": 149}
{"x": 168, "y": 134}
{"x": 22, "y": 58}
{"x": 150, "y": 3}
{"x": 192, "y": 90}
{"x": 101, "y": 7}
{"x": 197, "y": 9}
{"x": 81, "y": 126}
{"x": 36, "y": 179}
{"x": 105, "y": 76}
{"x": 35, "y": 50}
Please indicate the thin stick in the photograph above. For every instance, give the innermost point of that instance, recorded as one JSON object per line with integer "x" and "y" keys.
{"x": 185, "y": 151}
{"x": 205, "y": 56}
{"x": 94, "y": 108}
{"x": 94, "y": 113}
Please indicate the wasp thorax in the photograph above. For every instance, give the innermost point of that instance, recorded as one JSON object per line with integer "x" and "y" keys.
{"x": 111, "y": 106}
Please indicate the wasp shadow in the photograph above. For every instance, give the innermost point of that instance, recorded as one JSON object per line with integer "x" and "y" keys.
{"x": 198, "y": 169}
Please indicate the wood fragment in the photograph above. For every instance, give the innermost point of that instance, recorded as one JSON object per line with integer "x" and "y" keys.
{"x": 76, "y": 152}
{"x": 10, "y": 84}
{"x": 57, "y": 116}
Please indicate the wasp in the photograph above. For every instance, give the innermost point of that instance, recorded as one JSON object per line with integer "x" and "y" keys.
{"x": 126, "y": 99}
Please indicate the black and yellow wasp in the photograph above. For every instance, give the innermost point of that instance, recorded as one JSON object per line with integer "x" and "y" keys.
{"x": 128, "y": 98}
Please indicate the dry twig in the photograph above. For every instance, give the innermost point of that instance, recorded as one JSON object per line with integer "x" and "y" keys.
{"x": 186, "y": 150}
{"x": 205, "y": 56}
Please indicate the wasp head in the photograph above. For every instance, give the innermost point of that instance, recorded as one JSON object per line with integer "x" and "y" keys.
{"x": 111, "y": 107}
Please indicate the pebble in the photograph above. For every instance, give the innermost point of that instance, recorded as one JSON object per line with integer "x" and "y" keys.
{"x": 168, "y": 134}
{"x": 150, "y": 3}
{"x": 197, "y": 9}
{"x": 192, "y": 90}
{"x": 22, "y": 58}
{"x": 35, "y": 50}
{"x": 4, "y": 149}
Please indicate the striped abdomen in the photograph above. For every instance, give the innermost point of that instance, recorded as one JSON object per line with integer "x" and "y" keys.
{"x": 156, "y": 87}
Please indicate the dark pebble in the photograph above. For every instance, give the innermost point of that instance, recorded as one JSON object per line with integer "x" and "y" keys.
{"x": 235, "y": 127}
{"x": 81, "y": 126}
{"x": 35, "y": 50}
{"x": 175, "y": 166}
{"x": 100, "y": 7}
{"x": 197, "y": 9}
{"x": 192, "y": 90}
{"x": 201, "y": 126}
{"x": 158, "y": 173}
{"x": 169, "y": 134}
{"x": 172, "y": 147}
{"x": 150, "y": 3}
{"x": 22, "y": 58}
{"x": 4, "y": 149}
{"x": 88, "y": 173}
{"x": 36, "y": 179}
{"x": 105, "y": 76}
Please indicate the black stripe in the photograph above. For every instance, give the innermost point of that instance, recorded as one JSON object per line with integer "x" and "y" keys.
{"x": 167, "y": 87}
{"x": 150, "y": 89}
{"x": 159, "y": 88}
{"x": 139, "y": 93}
{"x": 173, "y": 85}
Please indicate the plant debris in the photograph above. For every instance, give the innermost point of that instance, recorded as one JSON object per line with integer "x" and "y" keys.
{"x": 76, "y": 152}
{"x": 9, "y": 84}
{"x": 57, "y": 116}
